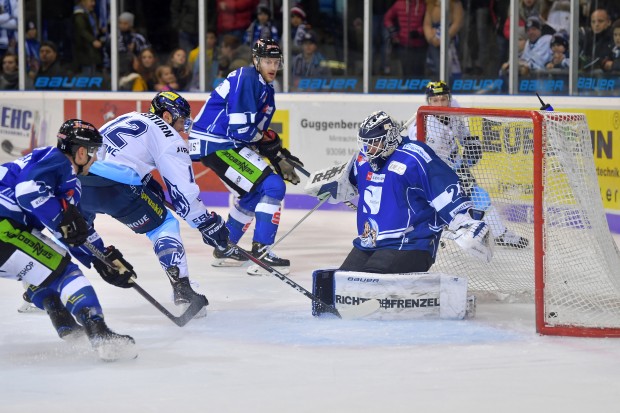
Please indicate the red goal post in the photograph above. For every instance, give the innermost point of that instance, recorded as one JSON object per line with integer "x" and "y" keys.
{"x": 537, "y": 171}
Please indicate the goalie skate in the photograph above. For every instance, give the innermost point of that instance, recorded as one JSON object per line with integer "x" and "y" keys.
{"x": 279, "y": 264}
{"x": 109, "y": 345}
{"x": 228, "y": 258}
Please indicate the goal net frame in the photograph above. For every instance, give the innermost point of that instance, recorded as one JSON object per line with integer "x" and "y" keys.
{"x": 543, "y": 152}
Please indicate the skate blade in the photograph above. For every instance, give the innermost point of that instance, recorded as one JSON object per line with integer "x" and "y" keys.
{"x": 258, "y": 270}
{"x": 227, "y": 262}
{"x": 111, "y": 351}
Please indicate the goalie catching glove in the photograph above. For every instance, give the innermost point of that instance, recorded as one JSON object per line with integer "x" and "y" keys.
{"x": 122, "y": 273}
{"x": 214, "y": 232}
{"x": 270, "y": 146}
{"x": 73, "y": 227}
{"x": 471, "y": 234}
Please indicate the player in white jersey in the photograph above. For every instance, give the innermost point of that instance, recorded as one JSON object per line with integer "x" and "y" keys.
{"x": 120, "y": 184}
{"x": 451, "y": 139}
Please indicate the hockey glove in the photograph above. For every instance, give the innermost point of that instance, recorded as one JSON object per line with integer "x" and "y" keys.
{"x": 121, "y": 275}
{"x": 73, "y": 227}
{"x": 214, "y": 232}
{"x": 284, "y": 165}
{"x": 472, "y": 150}
{"x": 471, "y": 234}
{"x": 270, "y": 144}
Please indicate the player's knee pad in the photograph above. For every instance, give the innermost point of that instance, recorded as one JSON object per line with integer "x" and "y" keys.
{"x": 480, "y": 197}
{"x": 169, "y": 226}
{"x": 273, "y": 187}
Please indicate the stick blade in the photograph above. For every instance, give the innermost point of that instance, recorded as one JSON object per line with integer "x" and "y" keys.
{"x": 194, "y": 308}
{"x": 359, "y": 311}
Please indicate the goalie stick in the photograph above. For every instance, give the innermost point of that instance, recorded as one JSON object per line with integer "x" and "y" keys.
{"x": 363, "y": 309}
{"x": 193, "y": 309}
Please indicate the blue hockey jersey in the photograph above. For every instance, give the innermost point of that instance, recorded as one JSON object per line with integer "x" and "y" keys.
{"x": 234, "y": 115}
{"x": 31, "y": 188}
{"x": 405, "y": 204}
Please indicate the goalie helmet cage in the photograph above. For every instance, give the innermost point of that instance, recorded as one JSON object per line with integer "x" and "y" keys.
{"x": 538, "y": 168}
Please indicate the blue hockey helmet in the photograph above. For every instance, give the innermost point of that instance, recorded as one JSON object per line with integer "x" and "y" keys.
{"x": 75, "y": 133}
{"x": 378, "y": 137}
{"x": 174, "y": 104}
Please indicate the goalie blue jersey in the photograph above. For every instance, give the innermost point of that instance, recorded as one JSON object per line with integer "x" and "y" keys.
{"x": 31, "y": 188}
{"x": 234, "y": 115}
{"x": 406, "y": 203}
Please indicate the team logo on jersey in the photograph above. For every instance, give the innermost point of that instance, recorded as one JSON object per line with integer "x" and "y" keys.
{"x": 179, "y": 201}
{"x": 373, "y": 177}
{"x": 397, "y": 167}
{"x": 368, "y": 238}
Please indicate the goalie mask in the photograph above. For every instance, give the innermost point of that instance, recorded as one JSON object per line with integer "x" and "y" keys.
{"x": 174, "y": 104}
{"x": 440, "y": 88}
{"x": 378, "y": 137}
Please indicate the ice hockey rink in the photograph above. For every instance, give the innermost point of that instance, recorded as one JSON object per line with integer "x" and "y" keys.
{"x": 260, "y": 350}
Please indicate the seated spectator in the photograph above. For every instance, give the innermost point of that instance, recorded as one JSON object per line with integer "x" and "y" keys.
{"x": 596, "y": 41}
{"x": 559, "y": 52}
{"x": 310, "y": 62}
{"x": 611, "y": 63}
{"x": 9, "y": 79}
{"x": 261, "y": 28}
{"x": 537, "y": 51}
{"x": 211, "y": 56}
{"x": 182, "y": 71}
{"x": 130, "y": 44}
{"x": 32, "y": 50}
{"x": 165, "y": 79}
{"x": 521, "y": 40}
{"x": 50, "y": 65}
{"x": 233, "y": 55}
{"x": 432, "y": 32}
{"x": 299, "y": 27}
{"x": 143, "y": 78}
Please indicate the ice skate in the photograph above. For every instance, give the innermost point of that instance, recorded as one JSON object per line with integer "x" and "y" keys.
{"x": 511, "y": 240}
{"x": 280, "y": 264}
{"x": 229, "y": 258}
{"x": 183, "y": 293}
{"x": 62, "y": 320}
{"x": 108, "y": 345}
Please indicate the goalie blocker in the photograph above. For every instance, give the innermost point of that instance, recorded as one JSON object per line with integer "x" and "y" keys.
{"x": 402, "y": 296}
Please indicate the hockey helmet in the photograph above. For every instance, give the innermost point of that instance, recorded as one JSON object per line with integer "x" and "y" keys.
{"x": 75, "y": 133}
{"x": 437, "y": 89}
{"x": 174, "y": 104}
{"x": 378, "y": 137}
{"x": 267, "y": 48}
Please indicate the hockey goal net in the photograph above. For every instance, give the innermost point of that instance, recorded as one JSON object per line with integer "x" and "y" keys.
{"x": 538, "y": 170}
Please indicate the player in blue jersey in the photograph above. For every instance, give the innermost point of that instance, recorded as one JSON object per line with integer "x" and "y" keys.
{"x": 407, "y": 196}
{"x": 231, "y": 136}
{"x": 41, "y": 191}
{"x": 120, "y": 184}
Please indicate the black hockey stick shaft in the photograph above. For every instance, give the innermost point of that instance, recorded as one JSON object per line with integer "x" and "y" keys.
{"x": 328, "y": 308}
{"x": 181, "y": 320}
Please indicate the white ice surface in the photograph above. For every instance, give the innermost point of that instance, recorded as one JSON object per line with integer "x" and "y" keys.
{"x": 260, "y": 350}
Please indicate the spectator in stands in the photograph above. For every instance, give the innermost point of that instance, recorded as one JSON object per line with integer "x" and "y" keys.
{"x": 145, "y": 67}
{"x": 527, "y": 9}
{"x": 8, "y": 26}
{"x": 9, "y": 79}
{"x": 310, "y": 62}
{"x": 32, "y": 50}
{"x": 299, "y": 26}
{"x": 521, "y": 40}
{"x": 212, "y": 63}
{"x": 180, "y": 68}
{"x": 477, "y": 48}
{"x": 261, "y": 28}
{"x": 234, "y": 16}
{"x": 557, "y": 14}
{"x": 559, "y": 52}
{"x": 404, "y": 21}
{"x": 87, "y": 45}
{"x": 612, "y": 62}
{"x": 597, "y": 42}
{"x": 233, "y": 55}
{"x": 537, "y": 51}
{"x": 184, "y": 15}
{"x": 50, "y": 66}
{"x": 432, "y": 32}
{"x": 165, "y": 80}
{"x": 130, "y": 44}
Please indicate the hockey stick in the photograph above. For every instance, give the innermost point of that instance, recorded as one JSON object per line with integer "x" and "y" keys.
{"x": 193, "y": 309}
{"x": 7, "y": 146}
{"x": 363, "y": 309}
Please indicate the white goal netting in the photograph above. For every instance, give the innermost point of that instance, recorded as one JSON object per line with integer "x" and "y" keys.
{"x": 538, "y": 170}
